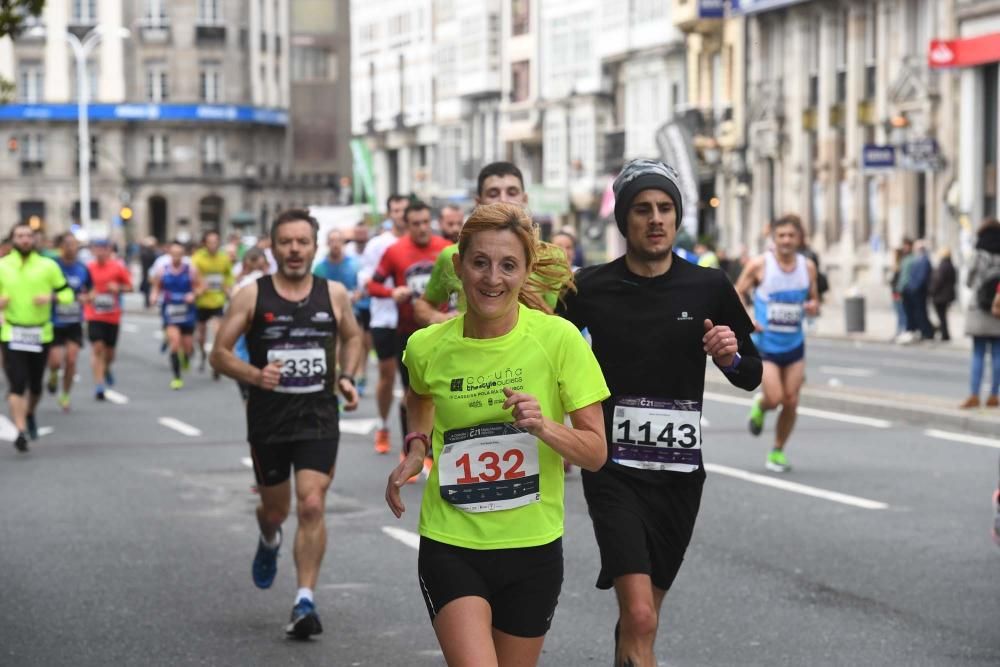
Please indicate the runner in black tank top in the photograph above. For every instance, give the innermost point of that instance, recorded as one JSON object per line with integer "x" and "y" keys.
{"x": 303, "y": 336}
{"x": 297, "y": 327}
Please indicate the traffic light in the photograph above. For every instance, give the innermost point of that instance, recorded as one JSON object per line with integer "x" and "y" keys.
{"x": 12, "y": 145}
{"x": 125, "y": 213}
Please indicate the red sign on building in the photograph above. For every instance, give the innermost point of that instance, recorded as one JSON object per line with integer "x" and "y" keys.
{"x": 964, "y": 52}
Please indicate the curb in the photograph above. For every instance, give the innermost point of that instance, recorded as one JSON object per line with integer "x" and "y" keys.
{"x": 912, "y": 409}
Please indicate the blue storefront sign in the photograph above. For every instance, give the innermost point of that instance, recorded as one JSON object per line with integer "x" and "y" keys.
{"x": 711, "y": 9}
{"x": 140, "y": 112}
{"x": 874, "y": 156}
{"x": 756, "y": 6}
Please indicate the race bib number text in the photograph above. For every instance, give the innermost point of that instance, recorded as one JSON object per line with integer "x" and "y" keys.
{"x": 303, "y": 370}
{"x": 214, "y": 282}
{"x": 784, "y": 317}
{"x": 488, "y": 468}
{"x": 656, "y": 434}
{"x": 105, "y": 303}
{"x": 26, "y": 339}
{"x": 69, "y": 313}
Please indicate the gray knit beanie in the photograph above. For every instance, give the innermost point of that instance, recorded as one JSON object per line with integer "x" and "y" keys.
{"x": 639, "y": 175}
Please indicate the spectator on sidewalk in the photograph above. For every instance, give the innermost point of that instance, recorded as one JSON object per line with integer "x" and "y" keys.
{"x": 899, "y": 256}
{"x": 980, "y": 323}
{"x": 915, "y": 276}
{"x": 822, "y": 283}
{"x": 942, "y": 290}
{"x": 147, "y": 257}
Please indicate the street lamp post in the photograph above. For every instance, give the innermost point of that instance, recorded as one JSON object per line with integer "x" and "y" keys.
{"x": 81, "y": 50}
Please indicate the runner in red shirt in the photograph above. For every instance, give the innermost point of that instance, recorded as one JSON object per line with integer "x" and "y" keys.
{"x": 408, "y": 262}
{"x": 103, "y": 312}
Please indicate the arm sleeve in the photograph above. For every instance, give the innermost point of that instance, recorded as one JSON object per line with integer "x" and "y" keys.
{"x": 415, "y": 359}
{"x": 58, "y": 284}
{"x": 581, "y": 381}
{"x": 748, "y": 374}
{"x": 376, "y": 286}
{"x": 436, "y": 292}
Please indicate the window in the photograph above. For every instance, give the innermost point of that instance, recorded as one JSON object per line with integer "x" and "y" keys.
{"x": 520, "y": 17}
{"x": 210, "y": 83}
{"x": 33, "y": 148}
{"x": 156, "y": 14}
{"x": 31, "y": 82}
{"x": 157, "y": 89}
{"x": 871, "y": 52}
{"x": 812, "y": 37}
{"x": 212, "y": 150}
{"x": 841, "y": 56}
{"x": 159, "y": 149}
{"x": 313, "y": 63}
{"x": 444, "y": 11}
{"x": 209, "y": 12}
{"x": 84, "y": 12}
{"x": 520, "y": 81}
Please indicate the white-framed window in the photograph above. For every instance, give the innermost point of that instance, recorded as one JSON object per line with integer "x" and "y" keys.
{"x": 209, "y": 12}
{"x": 159, "y": 149}
{"x": 157, "y": 82}
{"x": 210, "y": 83}
{"x": 33, "y": 147}
{"x": 31, "y": 82}
{"x": 212, "y": 149}
{"x": 156, "y": 14}
{"x": 84, "y": 12}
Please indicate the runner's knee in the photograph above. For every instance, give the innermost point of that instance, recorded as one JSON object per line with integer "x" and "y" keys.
{"x": 640, "y": 619}
{"x": 310, "y": 508}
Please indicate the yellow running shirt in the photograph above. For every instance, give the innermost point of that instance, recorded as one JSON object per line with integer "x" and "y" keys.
{"x": 492, "y": 486}
{"x": 216, "y": 273}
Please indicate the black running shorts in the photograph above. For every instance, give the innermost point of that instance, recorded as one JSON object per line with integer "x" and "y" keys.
{"x": 642, "y": 527}
{"x": 72, "y": 333}
{"x": 385, "y": 342}
{"x": 404, "y": 372}
{"x": 364, "y": 318}
{"x": 102, "y": 332}
{"x": 521, "y": 585}
{"x": 205, "y": 314}
{"x": 24, "y": 370}
{"x": 272, "y": 462}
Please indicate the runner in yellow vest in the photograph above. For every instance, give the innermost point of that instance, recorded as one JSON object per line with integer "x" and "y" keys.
{"x": 216, "y": 271}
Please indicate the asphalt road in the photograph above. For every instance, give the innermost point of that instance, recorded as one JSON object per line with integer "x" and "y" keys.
{"x": 126, "y": 541}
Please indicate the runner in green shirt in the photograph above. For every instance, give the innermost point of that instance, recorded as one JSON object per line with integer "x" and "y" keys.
{"x": 28, "y": 282}
{"x": 489, "y": 393}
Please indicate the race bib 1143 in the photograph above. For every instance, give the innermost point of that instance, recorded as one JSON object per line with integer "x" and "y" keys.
{"x": 488, "y": 468}
{"x": 656, "y": 434}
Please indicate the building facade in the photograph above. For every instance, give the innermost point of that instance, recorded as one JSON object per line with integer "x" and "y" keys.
{"x": 320, "y": 105}
{"x": 187, "y": 116}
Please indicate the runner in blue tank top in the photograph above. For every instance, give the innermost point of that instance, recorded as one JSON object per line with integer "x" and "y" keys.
{"x": 179, "y": 285}
{"x": 783, "y": 287}
{"x": 67, "y": 320}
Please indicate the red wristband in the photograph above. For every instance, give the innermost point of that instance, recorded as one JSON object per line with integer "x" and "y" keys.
{"x": 416, "y": 435}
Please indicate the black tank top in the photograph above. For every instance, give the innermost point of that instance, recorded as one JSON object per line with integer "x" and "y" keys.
{"x": 303, "y": 336}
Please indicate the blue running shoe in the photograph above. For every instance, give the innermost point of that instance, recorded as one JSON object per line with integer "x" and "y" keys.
{"x": 265, "y": 563}
{"x": 305, "y": 621}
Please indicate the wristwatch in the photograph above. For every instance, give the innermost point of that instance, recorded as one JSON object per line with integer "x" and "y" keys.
{"x": 732, "y": 367}
{"x": 349, "y": 378}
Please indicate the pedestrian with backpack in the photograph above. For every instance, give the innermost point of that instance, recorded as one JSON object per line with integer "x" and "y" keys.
{"x": 980, "y": 322}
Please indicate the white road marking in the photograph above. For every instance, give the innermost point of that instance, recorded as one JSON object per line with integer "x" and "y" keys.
{"x": 963, "y": 437}
{"x": 247, "y": 461}
{"x": 179, "y": 426}
{"x": 809, "y": 412}
{"x": 411, "y": 540}
{"x": 357, "y": 426}
{"x": 848, "y": 371}
{"x": 8, "y": 431}
{"x": 398, "y": 393}
{"x": 45, "y": 430}
{"x": 834, "y": 382}
{"x": 128, "y": 327}
{"x": 158, "y": 334}
{"x": 115, "y": 397}
{"x": 795, "y": 487}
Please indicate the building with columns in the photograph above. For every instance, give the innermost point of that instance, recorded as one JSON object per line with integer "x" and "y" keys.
{"x": 187, "y": 115}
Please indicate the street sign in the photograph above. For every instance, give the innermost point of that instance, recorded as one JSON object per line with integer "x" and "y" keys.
{"x": 876, "y": 157}
{"x": 921, "y": 155}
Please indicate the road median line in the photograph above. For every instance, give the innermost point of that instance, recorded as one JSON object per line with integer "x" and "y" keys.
{"x": 795, "y": 487}
{"x": 179, "y": 426}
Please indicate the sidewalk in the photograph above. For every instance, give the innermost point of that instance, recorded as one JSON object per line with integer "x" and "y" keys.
{"x": 880, "y": 322}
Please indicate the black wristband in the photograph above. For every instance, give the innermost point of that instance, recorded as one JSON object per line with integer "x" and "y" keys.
{"x": 349, "y": 378}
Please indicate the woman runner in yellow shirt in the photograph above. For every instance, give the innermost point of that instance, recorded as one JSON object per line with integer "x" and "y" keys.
{"x": 489, "y": 392}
